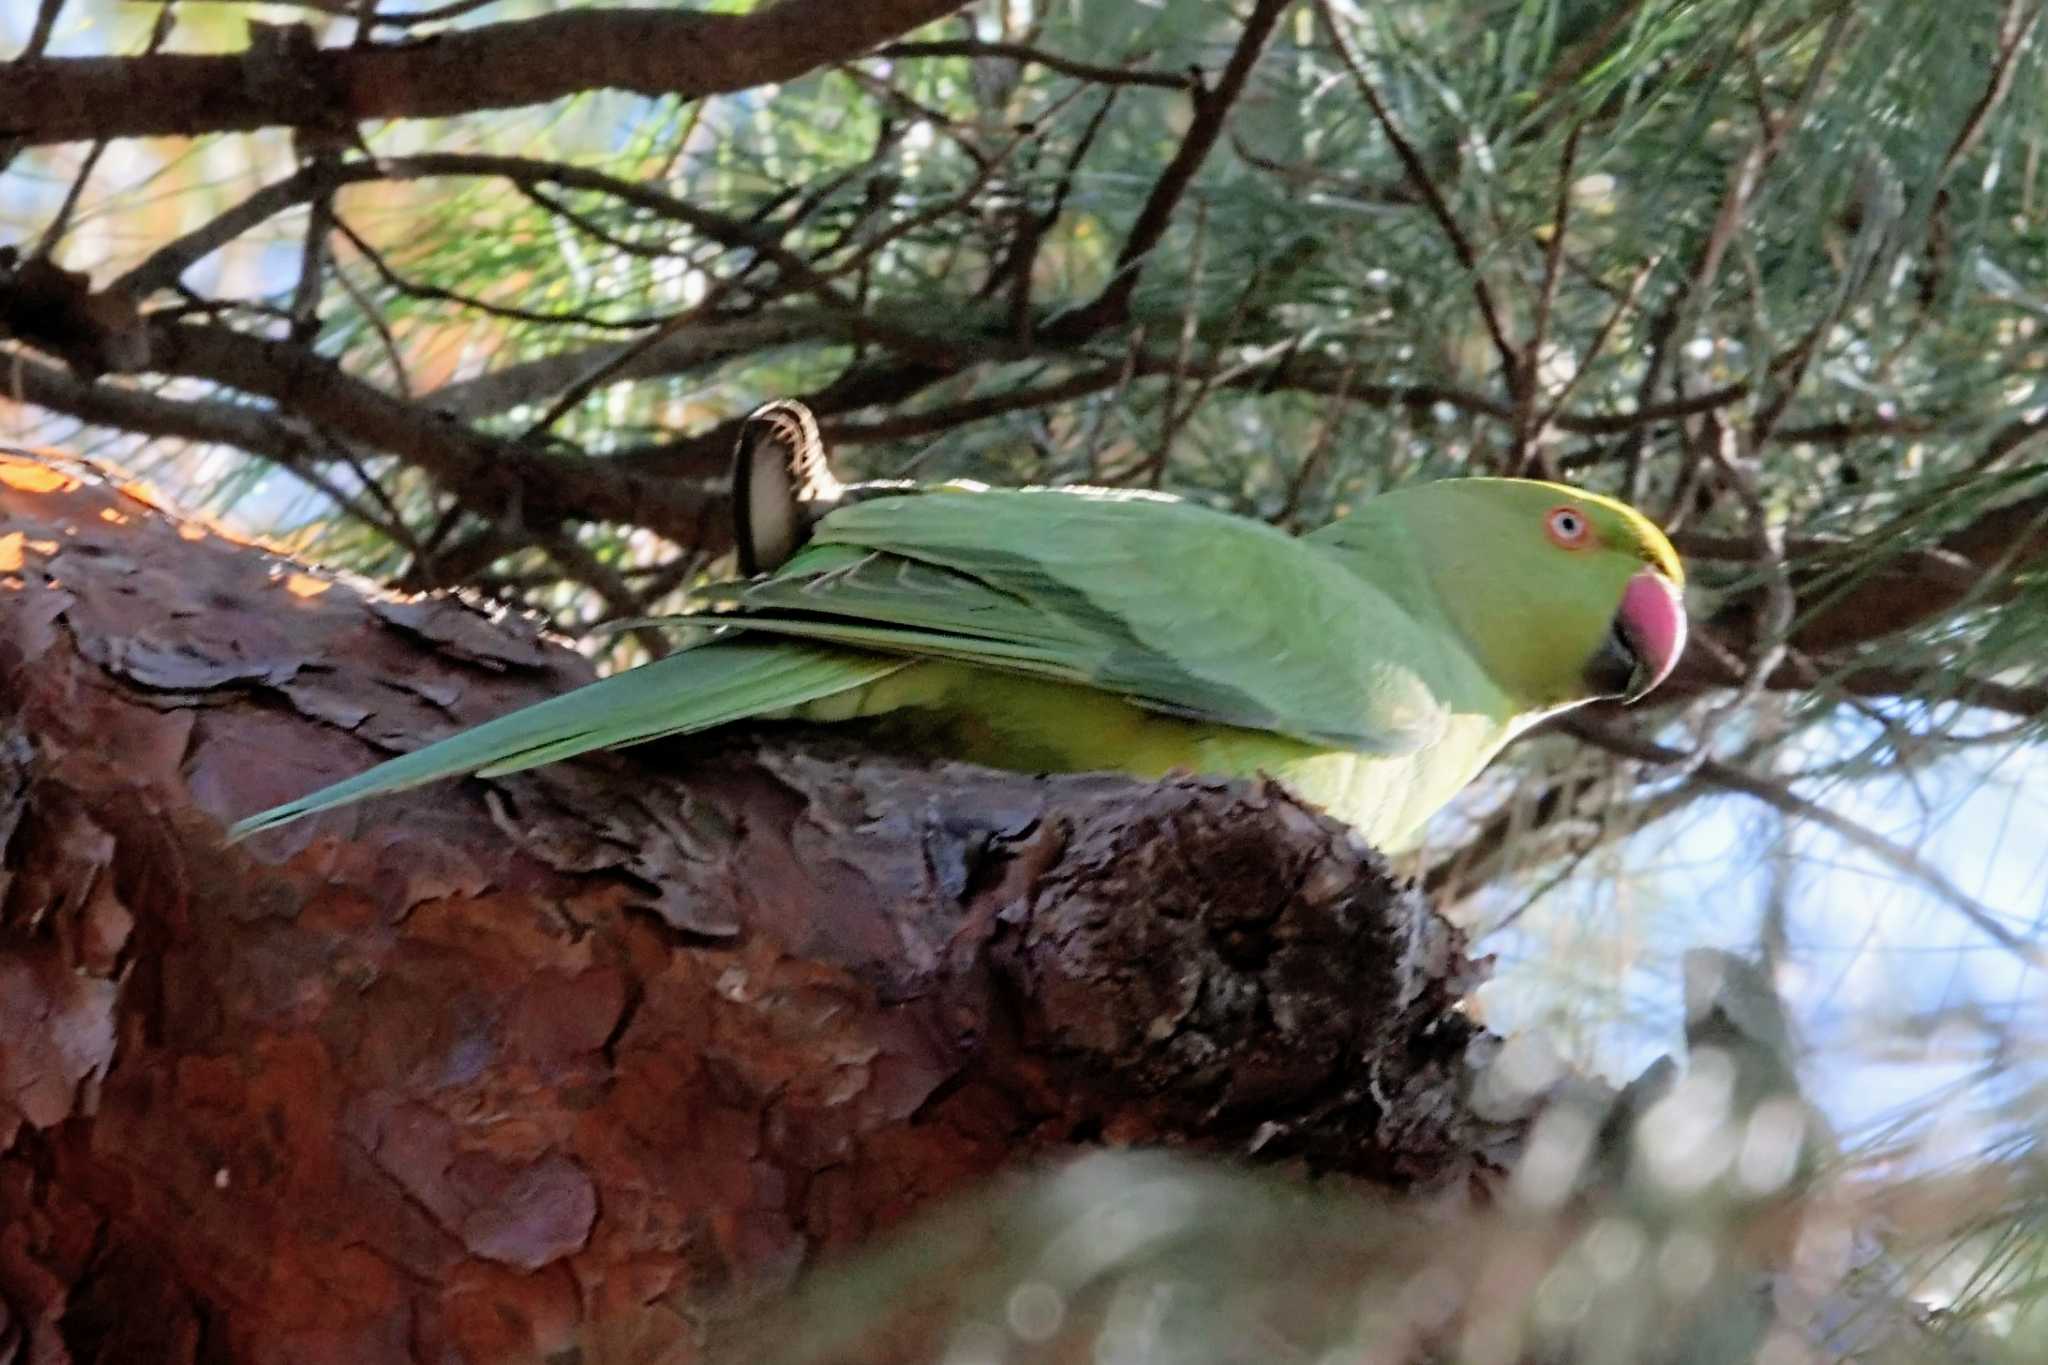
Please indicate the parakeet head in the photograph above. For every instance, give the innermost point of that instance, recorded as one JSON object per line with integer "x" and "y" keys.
{"x": 1564, "y": 596}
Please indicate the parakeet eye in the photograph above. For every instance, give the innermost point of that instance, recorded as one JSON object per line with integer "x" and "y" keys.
{"x": 1568, "y": 528}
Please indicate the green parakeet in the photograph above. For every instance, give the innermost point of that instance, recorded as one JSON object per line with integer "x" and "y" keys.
{"x": 1374, "y": 665}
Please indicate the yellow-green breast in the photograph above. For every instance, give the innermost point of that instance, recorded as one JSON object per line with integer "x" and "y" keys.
{"x": 1027, "y": 724}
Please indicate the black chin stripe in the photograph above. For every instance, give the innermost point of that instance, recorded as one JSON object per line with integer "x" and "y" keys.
{"x": 1612, "y": 668}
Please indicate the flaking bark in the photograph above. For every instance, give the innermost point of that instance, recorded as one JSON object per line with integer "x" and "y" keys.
{"x": 459, "y": 1074}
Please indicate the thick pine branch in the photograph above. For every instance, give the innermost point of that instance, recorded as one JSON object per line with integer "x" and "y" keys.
{"x": 463, "y": 1072}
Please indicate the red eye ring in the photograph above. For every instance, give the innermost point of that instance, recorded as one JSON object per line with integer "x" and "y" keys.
{"x": 1568, "y": 528}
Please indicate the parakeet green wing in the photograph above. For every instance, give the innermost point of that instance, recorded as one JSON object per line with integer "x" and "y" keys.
{"x": 1175, "y": 607}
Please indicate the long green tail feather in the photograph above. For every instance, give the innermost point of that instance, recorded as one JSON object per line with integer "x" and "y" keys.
{"x": 696, "y": 689}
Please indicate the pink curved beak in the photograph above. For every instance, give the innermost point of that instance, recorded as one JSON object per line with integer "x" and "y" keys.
{"x": 1651, "y": 624}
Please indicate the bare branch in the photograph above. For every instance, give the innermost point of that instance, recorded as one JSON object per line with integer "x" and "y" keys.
{"x": 493, "y": 66}
{"x": 1846, "y": 608}
{"x": 1418, "y": 175}
{"x": 1528, "y": 410}
{"x": 60, "y": 221}
{"x": 705, "y": 342}
{"x": 484, "y": 473}
{"x": 412, "y": 289}
{"x": 2015, "y": 26}
{"x": 953, "y": 415}
{"x": 1051, "y": 61}
{"x": 1770, "y": 640}
{"x": 1112, "y": 306}
{"x": 1780, "y": 797}
{"x": 129, "y": 409}
{"x": 39, "y": 33}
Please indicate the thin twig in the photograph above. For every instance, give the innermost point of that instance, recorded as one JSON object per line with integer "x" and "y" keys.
{"x": 39, "y": 33}
{"x": 2014, "y": 28}
{"x": 1781, "y": 602}
{"x": 1764, "y": 424}
{"x": 1301, "y": 175}
{"x": 1679, "y": 315}
{"x": 60, "y": 222}
{"x": 1418, "y": 174}
{"x": 395, "y": 530}
{"x": 375, "y": 317}
{"x": 807, "y": 199}
{"x": 584, "y": 386}
{"x": 440, "y": 564}
{"x": 1528, "y": 410}
{"x": 53, "y": 233}
{"x": 973, "y": 193}
{"x": 1318, "y": 450}
{"x": 590, "y": 227}
{"x": 908, "y": 426}
{"x": 396, "y": 527}
{"x": 1051, "y": 61}
{"x": 1091, "y": 440}
{"x": 340, "y": 9}
{"x": 959, "y": 134}
{"x": 618, "y": 595}
{"x": 1579, "y": 58}
{"x": 434, "y": 292}
{"x": 1778, "y": 796}
{"x": 168, "y": 262}
{"x": 314, "y": 255}
{"x": 1018, "y": 263}
{"x": 454, "y": 9}
{"x": 1190, "y": 327}
{"x": 1623, "y": 305}
{"x": 1207, "y": 379}
{"x": 1111, "y": 307}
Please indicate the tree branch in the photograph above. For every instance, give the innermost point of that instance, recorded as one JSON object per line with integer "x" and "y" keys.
{"x": 1112, "y": 306}
{"x": 490, "y": 476}
{"x": 2014, "y": 26}
{"x": 1779, "y": 796}
{"x": 458, "y": 71}
{"x": 122, "y": 408}
{"x": 40, "y": 31}
{"x": 162, "y": 268}
{"x": 1841, "y": 607}
{"x": 1425, "y": 185}
{"x": 703, "y": 343}
{"x": 1051, "y": 61}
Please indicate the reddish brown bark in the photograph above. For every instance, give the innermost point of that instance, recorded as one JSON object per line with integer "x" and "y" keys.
{"x": 457, "y": 1074}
